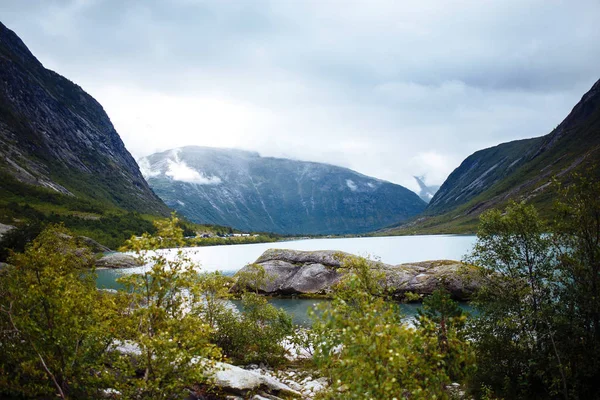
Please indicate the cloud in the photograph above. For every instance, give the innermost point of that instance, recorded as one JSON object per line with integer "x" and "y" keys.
{"x": 178, "y": 170}
{"x": 391, "y": 89}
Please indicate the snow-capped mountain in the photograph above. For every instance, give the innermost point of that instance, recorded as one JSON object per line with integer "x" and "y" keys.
{"x": 249, "y": 192}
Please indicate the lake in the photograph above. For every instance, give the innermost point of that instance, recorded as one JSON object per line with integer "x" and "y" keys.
{"x": 388, "y": 249}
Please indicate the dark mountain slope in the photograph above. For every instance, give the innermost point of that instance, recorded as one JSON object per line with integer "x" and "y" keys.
{"x": 249, "y": 192}
{"x": 520, "y": 170}
{"x": 53, "y": 135}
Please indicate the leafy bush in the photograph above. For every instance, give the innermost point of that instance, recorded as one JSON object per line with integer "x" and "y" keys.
{"x": 55, "y": 327}
{"x": 367, "y": 351}
{"x": 443, "y": 318}
{"x": 254, "y": 335}
{"x": 537, "y": 334}
{"x": 165, "y": 321}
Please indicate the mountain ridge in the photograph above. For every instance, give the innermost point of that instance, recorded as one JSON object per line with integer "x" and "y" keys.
{"x": 56, "y": 136}
{"x": 521, "y": 170}
{"x": 248, "y": 191}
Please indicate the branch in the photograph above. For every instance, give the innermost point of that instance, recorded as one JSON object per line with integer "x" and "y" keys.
{"x": 12, "y": 322}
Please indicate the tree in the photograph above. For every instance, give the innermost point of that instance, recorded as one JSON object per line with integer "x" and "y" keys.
{"x": 515, "y": 329}
{"x": 255, "y": 333}
{"x": 165, "y": 320}
{"x": 577, "y": 238}
{"x": 443, "y": 318}
{"x": 54, "y": 325}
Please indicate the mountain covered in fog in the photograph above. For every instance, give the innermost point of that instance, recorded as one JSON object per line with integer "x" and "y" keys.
{"x": 249, "y": 192}
{"x": 426, "y": 192}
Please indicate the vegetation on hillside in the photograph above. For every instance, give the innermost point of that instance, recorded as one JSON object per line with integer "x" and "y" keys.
{"x": 521, "y": 170}
{"x": 31, "y": 208}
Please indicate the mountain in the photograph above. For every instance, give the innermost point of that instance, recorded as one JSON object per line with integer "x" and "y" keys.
{"x": 249, "y": 192}
{"x": 519, "y": 170}
{"x": 426, "y": 192}
{"x": 58, "y": 147}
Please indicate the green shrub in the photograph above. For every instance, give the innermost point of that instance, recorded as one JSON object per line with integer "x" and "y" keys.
{"x": 165, "y": 320}
{"x": 255, "y": 334}
{"x": 55, "y": 327}
{"x": 367, "y": 351}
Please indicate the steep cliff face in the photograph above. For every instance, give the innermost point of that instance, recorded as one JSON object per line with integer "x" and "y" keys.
{"x": 519, "y": 170}
{"x": 55, "y": 135}
{"x": 249, "y": 192}
{"x": 481, "y": 170}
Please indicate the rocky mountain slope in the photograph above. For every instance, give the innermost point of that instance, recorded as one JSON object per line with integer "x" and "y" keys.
{"x": 520, "y": 170}
{"x": 241, "y": 189}
{"x": 56, "y": 141}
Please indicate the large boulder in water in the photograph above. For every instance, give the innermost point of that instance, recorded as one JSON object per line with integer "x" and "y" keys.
{"x": 294, "y": 272}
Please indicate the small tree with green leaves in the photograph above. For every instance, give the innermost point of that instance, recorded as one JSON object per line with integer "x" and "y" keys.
{"x": 55, "y": 327}
{"x": 256, "y": 332}
{"x": 515, "y": 329}
{"x": 443, "y": 318}
{"x": 577, "y": 244}
{"x": 166, "y": 320}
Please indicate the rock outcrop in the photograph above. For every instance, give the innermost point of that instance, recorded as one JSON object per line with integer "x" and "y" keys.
{"x": 241, "y": 381}
{"x": 4, "y": 229}
{"x": 118, "y": 261}
{"x": 293, "y": 272}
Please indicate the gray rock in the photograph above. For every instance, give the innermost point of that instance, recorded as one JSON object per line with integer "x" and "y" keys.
{"x": 239, "y": 380}
{"x": 4, "y": 229}
{"x": 94, "y": 246}
{"x": 118, "y": 261}
{"x": 293, "y": 272}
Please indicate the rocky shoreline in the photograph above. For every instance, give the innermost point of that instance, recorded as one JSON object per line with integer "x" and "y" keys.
{"x": 295, "y": 273}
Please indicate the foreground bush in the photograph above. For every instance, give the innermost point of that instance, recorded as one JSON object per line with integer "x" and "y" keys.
{"x": 165, "y": 320}
{"x": 55, "y": 327}
{"x": 367, "y": 351}
{"x": 537, "y": 334}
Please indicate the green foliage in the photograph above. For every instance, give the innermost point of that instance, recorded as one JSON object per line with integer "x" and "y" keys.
{"x": 110, "y": 228}
{"x": 224, "y": 241}
{"x": 215, "y": 288}
{"x": 17, "y": 239}
{"x": 367, "y": 351}
{"x": 537, "y": 334}
{"x": 165, "y": 320}
{"x": 255, "y": 334}
{"x": 577, "y": 233}
{"x": 513, "y": 330}
{"x": 54, "y": 324}
{"x": 252, "y": 277}
{"x": 442, "y": 317}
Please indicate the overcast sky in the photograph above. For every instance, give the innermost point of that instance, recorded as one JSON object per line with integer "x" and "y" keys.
{"x": 389, "y": 88}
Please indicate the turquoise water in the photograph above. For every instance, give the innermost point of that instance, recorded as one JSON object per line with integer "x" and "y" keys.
{"x": 298, "y": 308}
{"x": 391, "y": 250}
